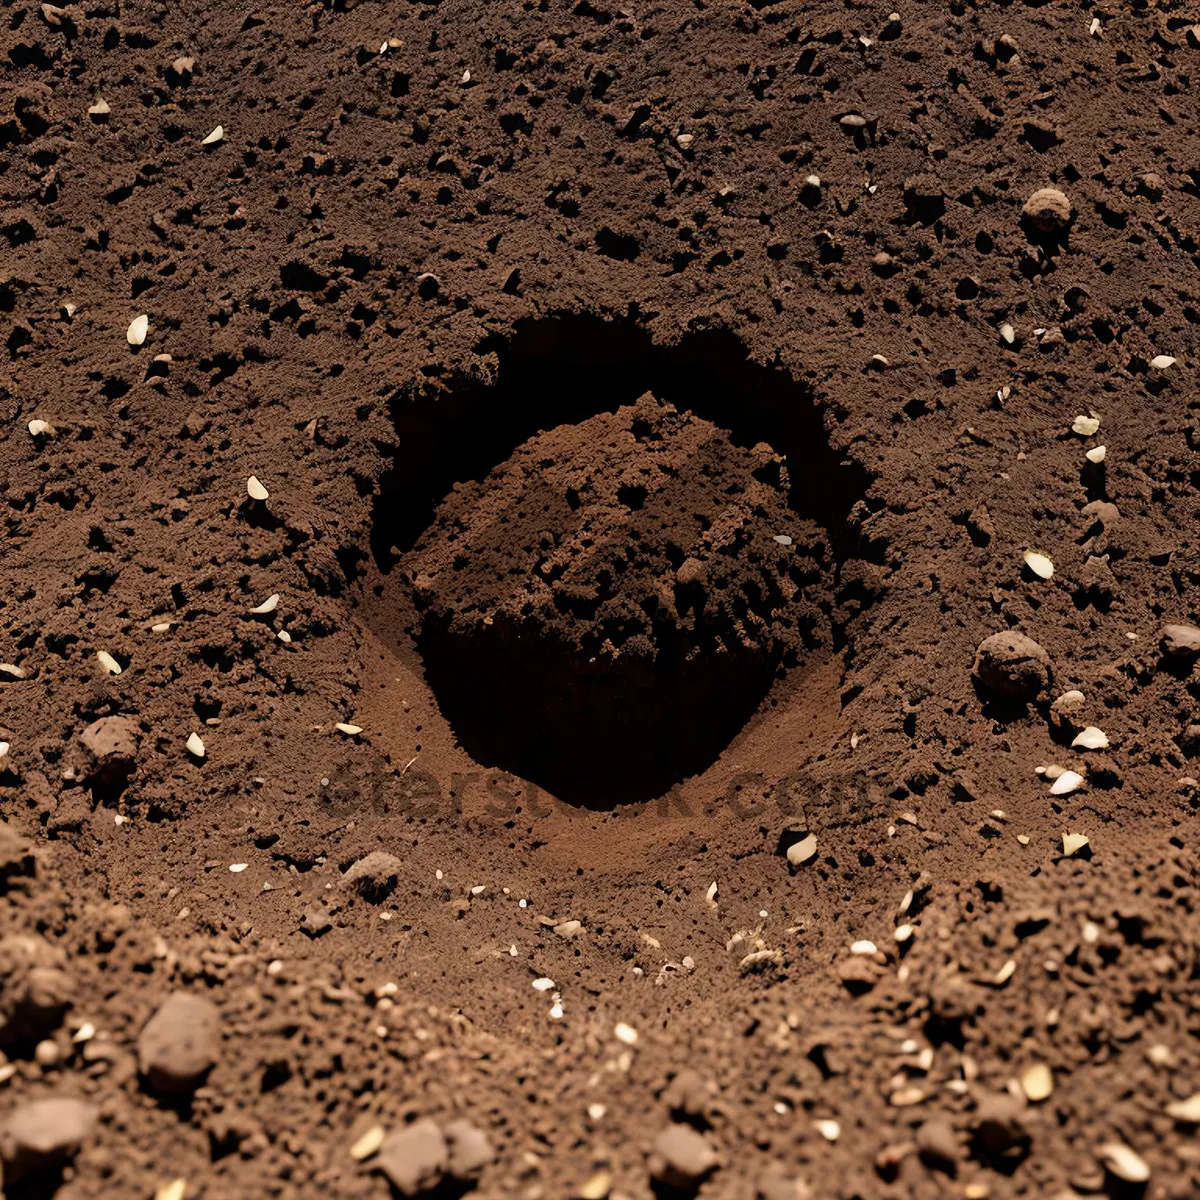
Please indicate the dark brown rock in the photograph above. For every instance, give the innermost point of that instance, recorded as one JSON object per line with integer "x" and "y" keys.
{"x": 374, "y": 877}
{"x": 682, "y": 1158}
{"x": 937, "y": 1144}
{"x": 110, "y": 748}
{"x": 469, "y": 1149}
{"x": 414, "y": 1159}
{"x": 1011, "y": 664}
{"x": 1181, "y": 641}
{"x": 40, "y": 1135}
{"x": 180, "y": 1044}
{"x": 36, "y": 988}
{"x": 1048, "y": 209}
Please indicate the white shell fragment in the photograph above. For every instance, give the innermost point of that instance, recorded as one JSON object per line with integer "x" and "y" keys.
{"x": 567, "y": 929}
{"x": 38, "y": 428}
{"x": 543, "y": 984}
{"x": 13, "y": 670}
{"x": 1091, "y": 738}
{"x": 1124, "y": 1162}
{"x": 135, "y": 335}
{"x": 370, "y": 1141}
{"x": 782, "y": 539}
{"x": 1037, "y": 1082}
{"x": 829, "y": 1130}
{"x": 195, "y": 745}
{"x": 1085, "y": 426}
{"x": 802, "y": 851}
{"x": 216, "y": 135}
{"x": 4, "y": 748}
{"x": 1162, "y": 362}
{"x": 99, "y": 108}
{"x": 1074, "y": 842}
{"x": 348, "y": 730}
{"x": 284, "y": 636}
{"x": 1097, "y": 454}
{"x": 1066, "y": 783}
{"x": 255, "y": 490}
{"x": 1008, "y": 333}
{"x": 269, "y": 605}
{"x": 238, "y": 868}
{"x": 1040, "y": 564}
{"x": 711, "y": 895}
{"x": 1187, "y": 1110}
{"x": 107, "y": 661}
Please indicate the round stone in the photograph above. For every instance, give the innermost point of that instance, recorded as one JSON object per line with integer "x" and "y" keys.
{"x": 1012, "y": 664}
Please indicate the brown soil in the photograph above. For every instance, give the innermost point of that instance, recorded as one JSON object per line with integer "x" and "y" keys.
{"x": 533, "y": 330}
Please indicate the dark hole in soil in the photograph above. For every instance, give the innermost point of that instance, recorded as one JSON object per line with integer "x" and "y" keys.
{"x": 540, "y": 706}
{"x": 562, "y": 370}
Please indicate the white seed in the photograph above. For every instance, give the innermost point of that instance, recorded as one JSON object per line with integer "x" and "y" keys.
{"x": 466, "y": 77}
{"x": 802, "y": 851}
{"x": 905, "y": 903}
{"x": 1085, "y": 426}
{"x": 1097, "y": 454}
{"x": 368, "y": 1144}
{"x": 904, "y": 932}
{"x": 863, "y": 947}
{"x": 13, "y": 670}
{"x": 107, "y": 661}
{"x": 1005, "y": 973}
{"x": 99, "y": 108}
{"x": 556, "y": 1013}
{"x": 348, "y": 730}
{"x": 1008, "y": 333}
{"x": 1037, "y": 1082}
{"x": 1066, "y": 783}
{"x": 238, "y": 868}
{"x": 543, "y": 984}
{"x": 829, "y": 1130}
{"x": 195, "y": 745}
{"x": 269, "y": 605}
{"x": 1040, "y": 564}
{"x": 711, "y": 895}
{"x": 4, "y": 748}
{"x": 625, "y": 1033}
{"x": 1124, "y": 1162}
{"x": 1072, "y": 843}
{"x": 1186, "y": 1110}
{"x": 255, "y": 490}
{"x": 38, "y": 428}
{"x": 568, "y": 929}
{"x": 216, "y": 135}
{"x": 1091, "y": 738}
{"x": 135, "y": 335}
{"x": 161, "y": 627}
{"x": 1162, "y": 362}
{"x": 84, "y": 1033}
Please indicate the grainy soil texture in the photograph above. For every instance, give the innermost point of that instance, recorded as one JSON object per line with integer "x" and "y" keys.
{"x": 600, "y": 599}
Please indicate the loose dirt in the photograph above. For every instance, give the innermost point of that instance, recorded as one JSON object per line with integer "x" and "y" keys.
{"x": 649, "y": 413}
